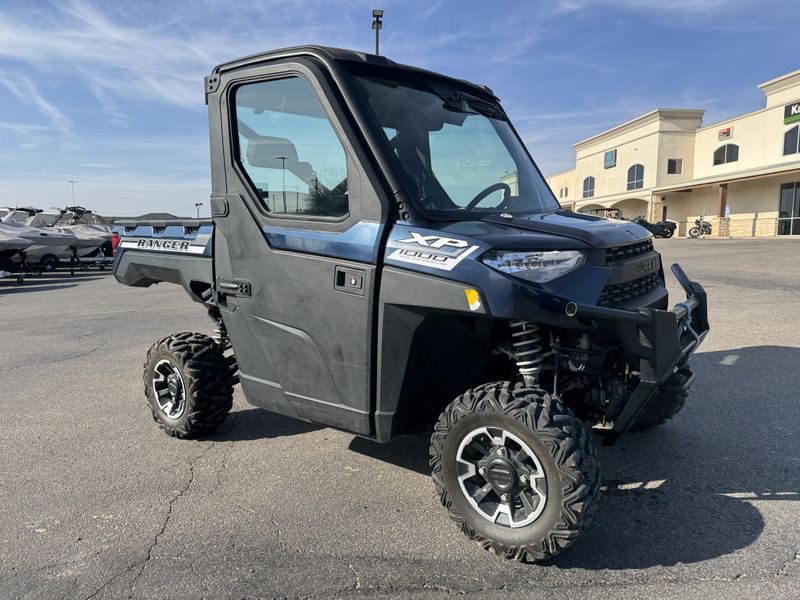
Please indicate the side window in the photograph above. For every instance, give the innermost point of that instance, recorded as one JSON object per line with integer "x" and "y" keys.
{"x": 289, "y": 150}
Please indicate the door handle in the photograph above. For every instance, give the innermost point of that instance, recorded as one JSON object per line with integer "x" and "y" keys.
{"x": 349, "y": 280}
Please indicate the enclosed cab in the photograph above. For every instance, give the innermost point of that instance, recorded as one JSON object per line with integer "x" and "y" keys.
{"x": 384, "y": 254}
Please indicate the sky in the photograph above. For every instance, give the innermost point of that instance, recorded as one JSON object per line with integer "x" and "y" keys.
{"x": 110, "y": 94}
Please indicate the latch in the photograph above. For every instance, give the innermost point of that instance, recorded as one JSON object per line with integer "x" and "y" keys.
{"x": 234, "y": 287}
{"x": 219, "y": 206}
{"x": 349, "y": 280}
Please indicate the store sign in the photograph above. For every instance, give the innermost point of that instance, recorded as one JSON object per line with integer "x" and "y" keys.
{"x": 725, "y": 134}
{"x": 791, "y": 113}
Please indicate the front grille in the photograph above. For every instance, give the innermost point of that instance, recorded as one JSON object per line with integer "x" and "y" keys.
{"x": 629, "y": 251}
{"x": 620, "y": 293}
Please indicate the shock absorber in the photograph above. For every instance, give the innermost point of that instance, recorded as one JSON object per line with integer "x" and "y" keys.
{"x": 527, "y": 349}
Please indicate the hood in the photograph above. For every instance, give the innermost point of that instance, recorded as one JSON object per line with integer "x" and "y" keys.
{"x": 502, "y": 235}
{"x": 595, "y": 231}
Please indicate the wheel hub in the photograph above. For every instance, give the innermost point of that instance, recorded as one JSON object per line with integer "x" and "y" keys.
{"x": 502, "y": 474}
{"x": 168, "y": 389}
{"x": 173, "y": 384}
{"x": 501, "y": 477}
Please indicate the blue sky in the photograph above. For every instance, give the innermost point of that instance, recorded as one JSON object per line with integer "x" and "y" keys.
{"x": 110, "y": 94}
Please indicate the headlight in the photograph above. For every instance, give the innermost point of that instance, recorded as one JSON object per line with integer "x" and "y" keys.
{"x": 540, "y": 267}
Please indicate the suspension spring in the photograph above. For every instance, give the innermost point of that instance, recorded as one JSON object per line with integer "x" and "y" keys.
{"x": 220, "y": 336}
{"x": 527, "y": 349}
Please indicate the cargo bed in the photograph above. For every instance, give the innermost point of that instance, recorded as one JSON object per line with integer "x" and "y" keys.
{"x": 175, "y": 251}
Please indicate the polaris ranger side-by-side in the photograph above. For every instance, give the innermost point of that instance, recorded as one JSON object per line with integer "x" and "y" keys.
{"x": 383, "y": 253}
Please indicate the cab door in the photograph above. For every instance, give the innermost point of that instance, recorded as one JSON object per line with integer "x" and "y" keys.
{"x": 298, "y": 225}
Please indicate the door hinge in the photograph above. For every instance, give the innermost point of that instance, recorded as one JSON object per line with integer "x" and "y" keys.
{"x": 211, "y": 84}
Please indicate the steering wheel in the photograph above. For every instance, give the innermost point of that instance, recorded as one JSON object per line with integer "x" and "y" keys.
{"x": 491, "y": 189}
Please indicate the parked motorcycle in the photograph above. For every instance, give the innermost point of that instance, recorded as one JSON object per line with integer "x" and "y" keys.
{"x": 662, "y": 229}
{"x": 702, "y": 227}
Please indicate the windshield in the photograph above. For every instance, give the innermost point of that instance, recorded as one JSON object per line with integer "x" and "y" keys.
{"x": 458, "y": 154}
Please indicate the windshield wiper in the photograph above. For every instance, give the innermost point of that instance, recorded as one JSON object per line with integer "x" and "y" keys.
{"x": 487, "y": 109}
{"x": 458, "y": 101}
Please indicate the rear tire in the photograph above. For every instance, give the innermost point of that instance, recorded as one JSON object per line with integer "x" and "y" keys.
{"x": 188, "y": 384}
{"x": 669, "y": 233}
{"x": 566, "y": 467}
{"x": 694, "y": 232}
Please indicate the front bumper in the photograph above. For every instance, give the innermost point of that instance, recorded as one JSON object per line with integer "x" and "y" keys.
{"x": 661, "y": 340}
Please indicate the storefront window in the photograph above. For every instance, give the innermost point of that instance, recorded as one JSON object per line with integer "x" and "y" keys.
{"x": 789, "y": 209}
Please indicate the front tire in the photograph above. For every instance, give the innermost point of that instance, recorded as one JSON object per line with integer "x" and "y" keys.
{"x": 534, "y": 491}
{"x": 694, "y": 232}
{"x": 188, "y": 384}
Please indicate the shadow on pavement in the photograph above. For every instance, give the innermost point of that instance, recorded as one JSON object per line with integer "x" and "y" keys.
{"x": 7, "y": 290}
{"x": 257, "y": 423}
{"x": 683, "y": 493}
{"x": 409, "y": 452}
{"x": 48, "y": 281}
{"x": 678, "y": 494}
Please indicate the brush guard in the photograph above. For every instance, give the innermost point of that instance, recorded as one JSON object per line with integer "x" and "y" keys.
{"x": 662, "y": 340}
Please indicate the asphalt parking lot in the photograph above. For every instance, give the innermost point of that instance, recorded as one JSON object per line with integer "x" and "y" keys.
{"x": 96, "y": 502}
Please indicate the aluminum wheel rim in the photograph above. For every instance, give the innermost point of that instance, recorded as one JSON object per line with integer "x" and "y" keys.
{"x": 515, "y": 507}
{"x": 169, "y": 389}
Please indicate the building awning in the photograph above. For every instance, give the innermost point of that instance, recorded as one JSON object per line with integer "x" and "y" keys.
{"x": 755, "y": 173}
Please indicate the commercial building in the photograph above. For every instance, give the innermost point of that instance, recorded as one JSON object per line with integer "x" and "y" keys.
{"x": 743, "y": 174}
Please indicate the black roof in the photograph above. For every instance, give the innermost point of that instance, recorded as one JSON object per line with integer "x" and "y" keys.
{"x": 326, "y": 53}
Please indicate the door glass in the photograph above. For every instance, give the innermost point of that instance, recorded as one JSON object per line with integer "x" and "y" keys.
{"x": 289, "y": 150}
{"x": 787, "y": 199}
{"x": 796, "y": 207}
{"x": 789, "y": 210}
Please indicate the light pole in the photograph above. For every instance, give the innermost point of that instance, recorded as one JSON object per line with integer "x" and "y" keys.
{"x": 72, "y": 183}
{"x": 377, "y": 25}
{"x": 283, "y": 160}
{"x": 197, "y": 206}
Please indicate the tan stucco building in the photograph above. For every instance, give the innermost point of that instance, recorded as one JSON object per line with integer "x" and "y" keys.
{"x": 743, "y": 174}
